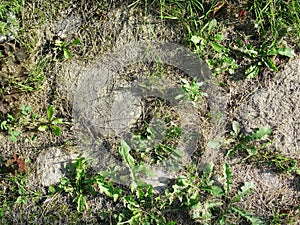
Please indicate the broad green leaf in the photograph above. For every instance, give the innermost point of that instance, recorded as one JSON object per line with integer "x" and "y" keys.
{"x": 218, "y": 37}
{"x": 262, "y": 133}
{"x": 207, "y": 173}
{"x": 140, "y": 193}
{"x": 68, "y": 189}
{"x": 283, "y": 51}
{"x": 43, "y": 128}
{"x": 81, "y": 202}
{"x": 253, "y": 219}
{"x": 229, "y": 63}
{"x": 183, "y": 181}
{"x": 222, "y": 221}
{"x": 247, "y": 187}
{"x": 57, "y": 121}
{"x": 231, "y": 151}
{"x": 3, "y": 125}
{"x": 107, "y": 189}
{"x": 250, "y": 50}
{"x": 286, "y": 52}
{"x": 270, "y": 63}
{"x": 236, "y": 127}
{"x": 202, "y": 211}
{"x": 59, "y": 43}
{"x": 185, "y": 88}
{"x": 76, "y": 42}
{"x": 185, "y": 81}
{"x": 67, "y": 53}
{"x": 64, "y": 181}
{"x": 252, "y": 71}
{"x": 199, "y": 211}
{"x": 195, "y": 39}
{"x": 56, "y": 130}
{"x": 2, "y": 211}
{"x": 25, "y": 109}
{"x": 212, "y": 25}
{"x": 216, "y": 191}
{"x": 51, "y": 189}
{"x": 210, "y": 205}
{"x": 227, "y": 175}
{"x": 251, "y": 150}
{"x": 217, "y": 47}
{"x": 80, "y": 165}
{"x": 10, "y": 117}
{"x": 179, "y": 96}
{"x": 198, "y": 85}
{"x": 21, "y": 199}
{"x": 124, "y": 152}
{"x": 13, "y": 135}
{"x": 50, "y": 112}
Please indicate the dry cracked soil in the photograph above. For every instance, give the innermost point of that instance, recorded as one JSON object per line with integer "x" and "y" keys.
{"x": 273, "y": 103}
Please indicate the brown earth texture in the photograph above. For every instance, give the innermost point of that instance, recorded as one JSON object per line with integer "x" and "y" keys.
{"x": 84, "y": 94}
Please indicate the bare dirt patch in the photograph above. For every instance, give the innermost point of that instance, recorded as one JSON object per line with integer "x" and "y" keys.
{"x": 277, "y": 106}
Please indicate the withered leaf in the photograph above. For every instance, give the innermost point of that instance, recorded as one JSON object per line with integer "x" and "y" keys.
{"x": 17, "y": 163}
{"x": 218, "y": 6}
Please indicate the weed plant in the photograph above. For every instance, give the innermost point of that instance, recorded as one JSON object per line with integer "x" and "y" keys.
{"x": 273, "y": 38}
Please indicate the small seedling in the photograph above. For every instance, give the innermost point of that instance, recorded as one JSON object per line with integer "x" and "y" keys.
{"x": 136, "y": 169}
{"x": 64, "y": 47}
{"x": 9, "y": 125}
{"x": 151, "y": 147}
{"x": 14, "y": 124}
{"x": 250, "y": 144}
{"x": 51, "y": 122}
{"x": 247, "y": 142}
{"x": 219, "y": 202}
{"x": 80, "y": 184}
{"x": 139, "y": 205}
{"x": 192, "y": 90}
{"x": 264, "y": 56}
{"x": 207, "y": 39}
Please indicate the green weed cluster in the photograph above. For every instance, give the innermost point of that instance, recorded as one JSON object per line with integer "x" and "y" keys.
{"x": 212, "y": 31}
{"x": 271, "y": 21}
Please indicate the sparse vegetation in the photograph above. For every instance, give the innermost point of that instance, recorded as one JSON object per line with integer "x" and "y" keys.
{"x": 192, "y": 90}
{"x": 64, "y": 47}
{"x": 51, "y": 122}
{"x": 13, "y": 125}
{"x": 238, "y": 40}
{"x": 255, "y": 145}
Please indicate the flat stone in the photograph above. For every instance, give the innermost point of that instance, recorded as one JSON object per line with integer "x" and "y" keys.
{"x": 51, "y": 165}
